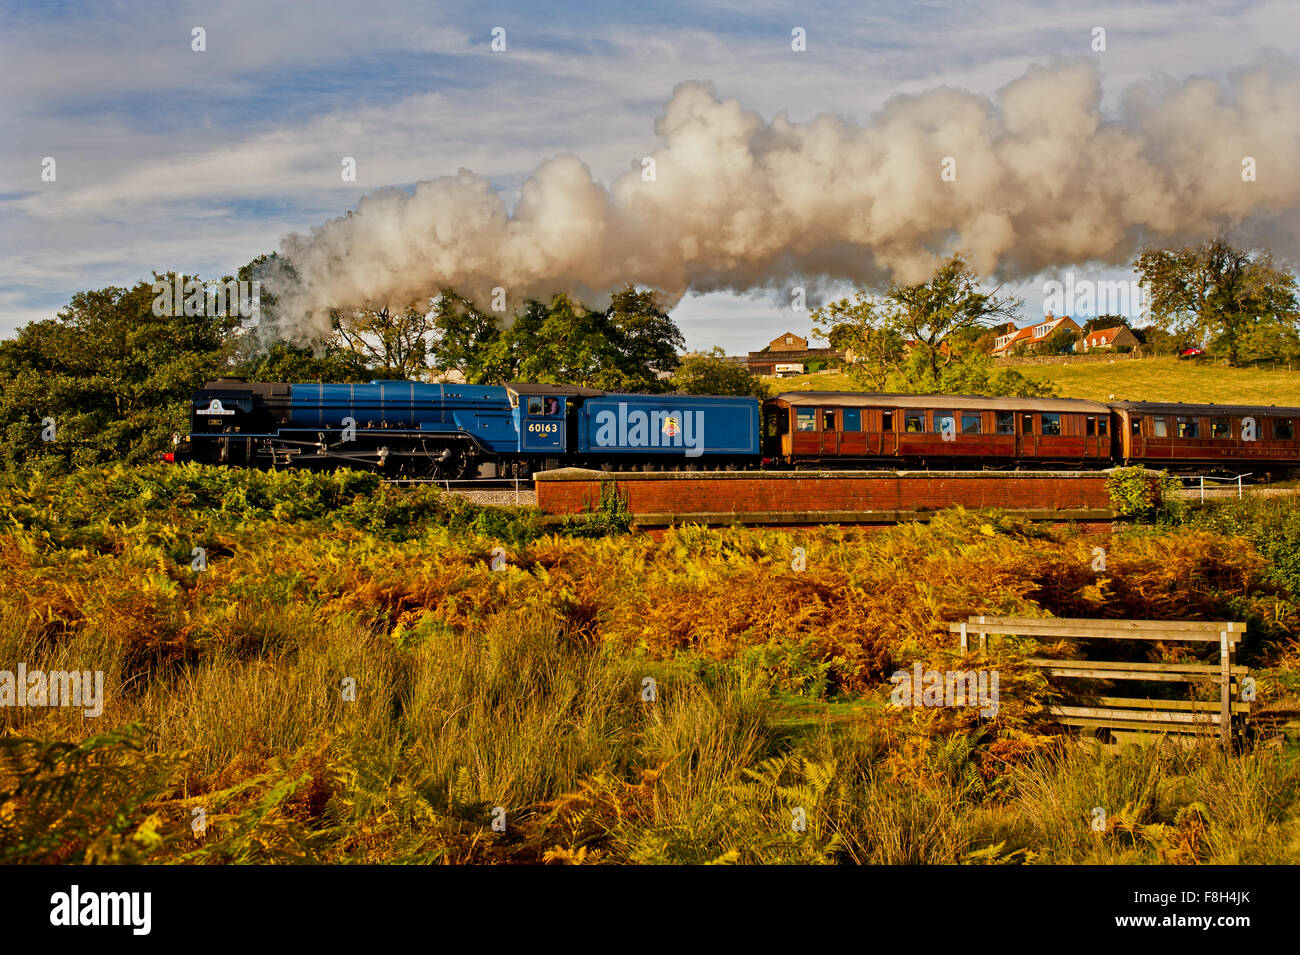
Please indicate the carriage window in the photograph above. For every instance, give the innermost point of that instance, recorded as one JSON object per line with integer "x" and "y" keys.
{"x": 1051, "y": 423}
{"x": 1006, "y": 422}
{"x": 1187, "y": 427}
{"x": 805, "y": 419}
{"x": 886, "y": 421}
{"x": 1160, "y": 426}
{"x": 828, "y": 420}
{"x": 940, "y": 417}
{"x": 534, "y": 405}
{"x": 1136, "y": 425}
{"x": 1091, "y": 427}
{"x": 1282, "y": 429}
{"x": 1219, "y": 428}
{"x": 852, "y": 419}
{"x": 1027, "y": 424}
{"x": 1101, "y": 426}
{"x": 914, "y": 423}
{"x": 971, "y": 423}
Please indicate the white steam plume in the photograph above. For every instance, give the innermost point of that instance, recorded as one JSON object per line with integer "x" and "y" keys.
{"x": 1043, "y": 179}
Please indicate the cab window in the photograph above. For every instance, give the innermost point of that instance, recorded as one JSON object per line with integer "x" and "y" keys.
{"x": 534, "y": 405}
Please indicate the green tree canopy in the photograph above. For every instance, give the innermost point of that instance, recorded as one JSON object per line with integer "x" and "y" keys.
{"x": 861, "y": 328}
{"x": 622, "y": 348}
{"x": 708, "y": 374}
{"x": 1235, "y": 301}
{"x": 949, "y": 302}
{"x": 114, "y": 377}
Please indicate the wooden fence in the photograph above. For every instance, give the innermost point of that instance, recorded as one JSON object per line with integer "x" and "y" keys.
{"x": 1134, "y": 714}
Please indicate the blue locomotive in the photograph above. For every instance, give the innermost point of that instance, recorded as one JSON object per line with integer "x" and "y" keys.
{"x": 451, "y": 431}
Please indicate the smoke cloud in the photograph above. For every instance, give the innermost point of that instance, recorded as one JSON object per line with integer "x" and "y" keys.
{"x": 1040, "y": 178}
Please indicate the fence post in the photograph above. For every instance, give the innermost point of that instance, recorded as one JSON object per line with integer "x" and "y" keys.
{"x": 1202, "y": 488}
{"x": 1225, "y": 689}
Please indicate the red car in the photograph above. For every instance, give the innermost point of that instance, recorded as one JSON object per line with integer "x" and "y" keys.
{"x": 1190, "y": 353}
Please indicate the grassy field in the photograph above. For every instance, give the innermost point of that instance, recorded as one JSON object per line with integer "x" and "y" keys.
{"x": 1144, "y": 379}
{"x": 362, "y": 674}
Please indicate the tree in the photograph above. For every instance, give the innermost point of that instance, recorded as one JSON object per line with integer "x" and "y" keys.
{"x": 114, "y": 378}
{"x": 394, "y": 341}
{"x": 949, "y": 302}
{"x": 284, "y": 362}
{"x": 465, "y": 339}
{"x": 1060, "y": 342}
{"x": 1159, "y": 341}
{"x": 986, "y": 338}
{"x": 1220, "y": 294}
{"x": 974, "y": 374}
{"x": 861, "y": 329}
{"x": 708, "y": 374}
{"x": 623, "y": 348}
{"x": 1104, "y": 321}
{"x": 645, "y": 340}
{"x": 558, "y": 341}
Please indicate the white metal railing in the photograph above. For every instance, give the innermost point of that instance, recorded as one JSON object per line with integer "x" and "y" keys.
{"x": 1239, "y": 480}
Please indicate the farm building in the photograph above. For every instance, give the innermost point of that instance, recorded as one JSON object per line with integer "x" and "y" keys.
{"x": 1101, "y": 338}
{"x": 1033, "y": 334}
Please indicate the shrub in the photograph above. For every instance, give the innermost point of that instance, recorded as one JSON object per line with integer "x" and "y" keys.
{"x": 1153, "y": 498}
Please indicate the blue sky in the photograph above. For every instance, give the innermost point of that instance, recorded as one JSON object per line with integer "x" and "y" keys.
{"x": 172, "y": 159}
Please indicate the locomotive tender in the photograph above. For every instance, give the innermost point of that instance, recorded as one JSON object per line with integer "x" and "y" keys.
{"x": 450, "y": 431}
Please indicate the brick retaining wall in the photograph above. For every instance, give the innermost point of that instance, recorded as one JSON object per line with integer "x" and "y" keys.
{"x": 827, "y": 497}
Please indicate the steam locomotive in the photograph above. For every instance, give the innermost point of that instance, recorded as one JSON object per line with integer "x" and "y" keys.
{"x": 451, "y": 431}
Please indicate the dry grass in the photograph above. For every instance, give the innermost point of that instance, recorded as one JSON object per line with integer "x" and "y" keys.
{"x": 520, "y": 695}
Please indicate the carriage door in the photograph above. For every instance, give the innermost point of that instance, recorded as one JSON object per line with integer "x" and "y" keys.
{"x": 1028, "y": 439}
{"x": 831, "y": 427}
{"x": 544, "y": 424}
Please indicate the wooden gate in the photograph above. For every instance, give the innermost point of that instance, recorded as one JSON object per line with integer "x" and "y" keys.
{"x": 1128, "y": 714}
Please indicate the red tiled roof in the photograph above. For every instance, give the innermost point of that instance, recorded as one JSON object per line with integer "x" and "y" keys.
{"x": 1100, "y": 337}
{"x": 1027, "y": 333}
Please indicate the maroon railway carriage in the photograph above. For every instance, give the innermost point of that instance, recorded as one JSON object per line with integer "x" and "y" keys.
{"x": 1245, "y": 438}
{"x": 844, "y": 428}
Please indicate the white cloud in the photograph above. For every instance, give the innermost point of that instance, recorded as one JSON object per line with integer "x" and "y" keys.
{"x": 153, "y": 174}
